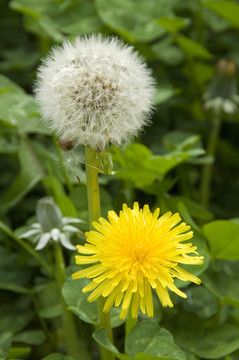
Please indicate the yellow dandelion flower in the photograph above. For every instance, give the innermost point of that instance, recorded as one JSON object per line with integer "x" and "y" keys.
{"x": 133, "y": 253}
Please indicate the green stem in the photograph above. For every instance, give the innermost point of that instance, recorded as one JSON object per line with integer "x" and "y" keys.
{"x": 93, "y": 195}
{"x": 130, "y": 323}
{"x": 59, "y": 153}
{"x": 199, "y": 22}
{"x": 207, "y": 170}
{"x": 42, "y": 321}
{"x": 26, "y": 246}
{"x": 75, "y": 347}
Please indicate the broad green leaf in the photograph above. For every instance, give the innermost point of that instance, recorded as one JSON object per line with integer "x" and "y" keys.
{"x": 223, "y": 283}
{"x": 77, "y": 300}
{"x": 101, "y": 337}
{"x": 8, "y": 86}
{"x": 195, "y": 209}
{"x": 57, "y": 356}
{"x": 200, "y": 301}
{"x": 135, "y": 21}
{"x": 143, "y": 356}
{"x": 193, "y": 48}
{"x": 18, "y": 351}
{"x": 12, "y": 278}
{"x": 207, "y": 343}
{"x": 169, "y": 54}
{"x": 216, "y": 23}
{"x": 223, "y": 238}
{"x": 139, "y": 165}
{"x": 30, "y": 337}
{"x": 5, "y": 344}
{"x": 218, "y": 342}
{"x": 163, "y": 94}
{"x": 173, "y": 24}
{"x": 9, "y": 281}
{"x": 13, "y": 319}
{"x": 19, "y": 109}
{"x": 49, "y": 302}
{"x": 8, "y": 146}
{"x": 229, "y": 10}
{"x": 50, "y": 312}
{"x": 187, "y": 330}
{"x": 30, "y": 175}
{"x": 147, "y": 337}
{"x": 55, "y": 19}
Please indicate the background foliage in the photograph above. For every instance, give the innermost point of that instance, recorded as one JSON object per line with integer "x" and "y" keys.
{"x": 182, "y": 41}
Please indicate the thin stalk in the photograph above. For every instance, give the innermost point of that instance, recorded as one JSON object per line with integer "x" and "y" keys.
{"x": 42, "y": 321}
{"x": 93, "y": 195}
{"x": 199, "y": 26}
{"x": 75, "y": 348}
{"x": 59, "y": 153}
{"x": 205, "y": 187}
{"x": 26, "y": 247}
{"x": 130, "y": 323}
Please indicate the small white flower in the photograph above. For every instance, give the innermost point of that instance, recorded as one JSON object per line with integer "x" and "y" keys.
{"x": 51, "y": 226}
{"x": 95, "y": 91}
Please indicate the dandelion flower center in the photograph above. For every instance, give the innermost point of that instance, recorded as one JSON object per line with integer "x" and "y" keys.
{"x": 134, "y": 253}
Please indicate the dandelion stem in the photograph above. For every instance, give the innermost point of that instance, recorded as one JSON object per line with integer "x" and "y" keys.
{"x": 207, "y": 170}
{"x": 130, "y": 323}
{"x": 93, "y": 195}
{"x": 60, "y": 156}
{"x": 75, "y": 348}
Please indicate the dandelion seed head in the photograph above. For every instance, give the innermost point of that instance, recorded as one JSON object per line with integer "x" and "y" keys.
{"x": 95, "y": 91}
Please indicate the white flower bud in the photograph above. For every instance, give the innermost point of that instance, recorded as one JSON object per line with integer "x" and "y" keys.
{"x": 95, "y": 91}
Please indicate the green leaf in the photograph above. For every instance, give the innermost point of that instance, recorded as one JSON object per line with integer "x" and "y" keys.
{"x": 8, "y": 146}
{"x": 139, "y": 165}
{"x": 187, "y": 329}
{"x": 193, "y": 48}
{"x": 13, "y": 319}
{"x": 223, "y": 283}
{"x": 143, "y": 356}
{"x": 57, "y": 356}
{"x": 168, "y": 53}
{"x": 185, "y": 205}
{"x": 200, "y": 301}
{"x": 147, "y": 337}
{"x": 18, "y": 351}
{"x": 173, "y": 24}
{"x": 229, "y": 10}
{"x": 8, "y": 86}
{"x": 101, "y": 337}
{"x": 163, "y": 94}
{"x": 19, "y": 109}
{"x": 50, "y": 312}
{"x": 49, "y": 303}
{"x": 135, "y": 21}
{"x": 218, "y": 342}
{"x": 223, "y": 237}
{"x": 12, "y": 278}
{"x": 5, "y": 344}
{"x": 30, "y": 337}
{"x": 29, "y": 176}
{"x": 53, "y": 20}
{"x": 77, "y": 301}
